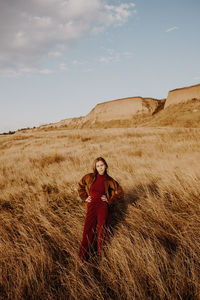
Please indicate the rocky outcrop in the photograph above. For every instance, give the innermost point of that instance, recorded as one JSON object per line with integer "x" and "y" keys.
{"x": 183, "y": 95}
{"x": 133, "y": 111}
{"x": 122, "y": 109}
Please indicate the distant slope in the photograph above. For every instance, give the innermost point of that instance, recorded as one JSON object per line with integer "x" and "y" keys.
{"x": 180, "y": 109}
{"x": 183, "y": 114}
{"x": 112, "y": 111}
{"x": 183, "y": 95}
{"x": 122, "y": 109}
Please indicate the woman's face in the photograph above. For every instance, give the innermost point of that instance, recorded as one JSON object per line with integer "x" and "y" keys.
{"x": 100, "y": 166}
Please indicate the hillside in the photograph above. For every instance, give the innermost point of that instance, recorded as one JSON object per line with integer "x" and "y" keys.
{"x": 180, "y": 109}
{"x": 154, "y": 249}
{"x": 122, "y": 109}
{"x": 183, "y": 95}
{"x": 184, "y": 114}
{"x": 114, "y": 110}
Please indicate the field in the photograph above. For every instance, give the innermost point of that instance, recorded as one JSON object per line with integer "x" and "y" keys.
{"x": 154, "y": 249}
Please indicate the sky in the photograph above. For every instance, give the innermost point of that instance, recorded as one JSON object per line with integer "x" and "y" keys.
{"x": 60, "y": 58}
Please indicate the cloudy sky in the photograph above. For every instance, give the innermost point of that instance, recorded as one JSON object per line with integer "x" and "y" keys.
{"x": 59, "y": 58}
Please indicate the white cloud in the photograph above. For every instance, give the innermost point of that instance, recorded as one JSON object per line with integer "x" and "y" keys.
{"x": 34, "y": 29}
{"x": 107, "y": 59}
{"x": 78, "y": 62}
{"x": 111, "y": 56}
{"x": 63, "y": 67}
{"x": 35, "y": 71}
{"x": 171, "y": 29}
{"x": 55, "y": 54}
{"x": 114, "y": 56}
{"x": 97, "y": 30}
{"x": 128, "y": 54}
{"x": 10, "y": 72}
{"x": 120, "y": 12}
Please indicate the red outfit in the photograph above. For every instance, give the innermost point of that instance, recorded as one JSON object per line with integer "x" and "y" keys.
{"x": 97, "y": 214}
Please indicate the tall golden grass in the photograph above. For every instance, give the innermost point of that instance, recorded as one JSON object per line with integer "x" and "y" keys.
{"x": 154, "y": 250}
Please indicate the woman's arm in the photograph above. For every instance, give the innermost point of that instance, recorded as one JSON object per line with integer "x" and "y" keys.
{"x": 82, "y": 189}
{"x": 118, "y": 193}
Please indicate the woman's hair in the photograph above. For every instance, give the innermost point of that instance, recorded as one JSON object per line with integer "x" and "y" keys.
{"x": 94, "y": 165}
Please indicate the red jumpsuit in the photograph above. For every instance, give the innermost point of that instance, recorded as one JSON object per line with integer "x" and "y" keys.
{"x": 97, "y": 214}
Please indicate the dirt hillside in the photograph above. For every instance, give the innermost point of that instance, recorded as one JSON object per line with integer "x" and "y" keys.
{"x": 180, "y": 109}
{"x": 183, "y": 95}
{"x": 122, "y": 108}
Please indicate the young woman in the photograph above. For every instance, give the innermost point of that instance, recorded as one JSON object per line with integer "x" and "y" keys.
{"x": 98, "y": 191}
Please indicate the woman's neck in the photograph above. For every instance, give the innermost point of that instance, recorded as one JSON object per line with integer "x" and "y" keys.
{"x": 100, "y": 174}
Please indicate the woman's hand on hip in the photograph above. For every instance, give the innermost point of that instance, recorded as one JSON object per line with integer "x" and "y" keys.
{"x": 88, "y": 199}
{"x": 103, "y": 198}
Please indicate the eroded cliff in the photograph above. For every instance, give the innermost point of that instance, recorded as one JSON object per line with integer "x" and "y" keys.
{"x": 183, "y": 95}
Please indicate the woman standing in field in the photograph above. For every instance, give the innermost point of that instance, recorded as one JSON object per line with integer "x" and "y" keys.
{"x": 98, "y": 191}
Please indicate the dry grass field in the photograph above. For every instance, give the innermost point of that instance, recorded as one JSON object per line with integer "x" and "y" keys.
{"x": 154, "y": 251}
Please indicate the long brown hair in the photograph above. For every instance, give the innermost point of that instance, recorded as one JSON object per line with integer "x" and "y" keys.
{"x": 94, "y": 165}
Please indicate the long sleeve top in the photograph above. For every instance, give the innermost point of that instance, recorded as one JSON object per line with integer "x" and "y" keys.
{"x": 97, "y": 188}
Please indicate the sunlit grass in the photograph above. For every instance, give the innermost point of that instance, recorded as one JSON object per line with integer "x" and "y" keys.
{"x": 154, "y": 250}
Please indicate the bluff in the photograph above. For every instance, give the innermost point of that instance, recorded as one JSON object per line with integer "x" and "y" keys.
{"x": 183, "y": 95}
{"x": 121, "y": 109}
{"x": 113, "y": 110}
{"x": 181, "y": 108}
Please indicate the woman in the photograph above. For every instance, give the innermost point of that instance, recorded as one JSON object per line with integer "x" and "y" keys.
{"x": 98, "y": 191}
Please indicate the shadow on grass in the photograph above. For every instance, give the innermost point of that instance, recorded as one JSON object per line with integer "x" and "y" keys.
{"x": 118, "y": 211}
